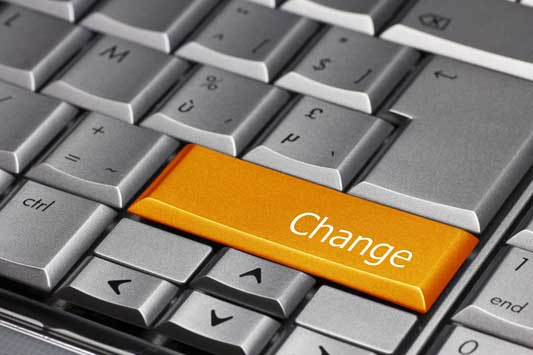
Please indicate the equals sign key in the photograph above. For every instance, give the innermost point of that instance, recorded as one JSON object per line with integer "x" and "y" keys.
{"x": 73, "y": 158}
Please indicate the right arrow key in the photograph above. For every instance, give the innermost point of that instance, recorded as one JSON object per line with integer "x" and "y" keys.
{"x": 219, "y": 327}
{"x": 256, "y": 283}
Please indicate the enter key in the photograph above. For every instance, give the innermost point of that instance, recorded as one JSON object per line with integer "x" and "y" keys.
{"x": 384, "y": 252}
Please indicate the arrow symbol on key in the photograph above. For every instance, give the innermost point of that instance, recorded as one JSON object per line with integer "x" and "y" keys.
{"x": 115, "y": 285}
{"x": 216, "y": 320}
{"x": 440, "y": 74}
{"x": 255, "y": 273}
{"x": 322, "y": 350}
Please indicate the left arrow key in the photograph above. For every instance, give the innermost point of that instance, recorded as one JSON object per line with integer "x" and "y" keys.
{"x": 119, "y": 292}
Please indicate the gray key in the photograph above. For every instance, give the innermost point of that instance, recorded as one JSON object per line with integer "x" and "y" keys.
{"x": 465, "y": 149}
{"x": 470, "y": 31}
{"x": 70, "y": 10}
{"x": 219, "y": 327}
{"x": 305, "y": 342}
{"x": 105, "y": 159}
{"x": 350, "y": 69}
{"x": 16, "y": 340}
{"x": 321, "y": 142}
{"x": 356, "y": 320}
{"x": 466, "y": 341}
{"x": 34, "y": 46}
{"x": 44, "y": 231}
{"x": 160, "y": 24}
{"x": 524, "y": 238}
{"x": 5, "y": 181}
{"x": 249, "y": 39}
{"x": 256, "y": 283}
{"x": 119, "y": 292}
{"x": 269, "y": 3}
{"x": 117, "y": 78}
{"x": 504, "y": 306}
{"x": 35, "y": 119}
{"x": 153, "y": 251}
{"x": 366, "y": 16}
{"x": 219, "y": 110}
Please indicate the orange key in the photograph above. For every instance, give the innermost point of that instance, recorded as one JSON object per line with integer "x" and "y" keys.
{"x": 390, "y": 254}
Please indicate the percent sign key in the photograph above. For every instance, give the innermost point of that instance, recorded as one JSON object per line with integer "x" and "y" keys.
{"x": 212, "y": 82}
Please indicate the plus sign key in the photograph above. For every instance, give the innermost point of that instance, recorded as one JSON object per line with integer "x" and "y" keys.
{"x": 105, "y": 159}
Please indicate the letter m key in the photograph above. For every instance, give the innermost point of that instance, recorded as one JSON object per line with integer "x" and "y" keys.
{"x": 112, "y": 53}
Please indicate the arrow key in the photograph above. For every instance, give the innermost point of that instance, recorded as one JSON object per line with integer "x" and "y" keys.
{"x": 219, "y": 327}
{"x": 303, "y": 341}
{"x": 256, "y": 283}
{"x": 119, "y": 292}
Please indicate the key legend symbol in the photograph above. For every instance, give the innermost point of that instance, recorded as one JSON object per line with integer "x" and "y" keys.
{"x": 115, "y": 285}
{"x": 434, "y": 21}
{"x": 256, "y": 273}
{"x": 216, "y": 320}
{"x": 73, "y": 158}
{"x": 211, "y": 82}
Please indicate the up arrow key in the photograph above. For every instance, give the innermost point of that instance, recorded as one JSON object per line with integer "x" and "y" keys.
{"x": 115, "y": 285}
{"x": 256, "y": 273}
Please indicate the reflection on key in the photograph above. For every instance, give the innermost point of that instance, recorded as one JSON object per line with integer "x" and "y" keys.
{"x": 219, "y": 327}
{"x": 465, "y": 149}
{"x": 303, "y": 341}
{"x": 356, "y": 320}
{"x": 5, "y": 181}
{"x": 119, "y": 292}
{"x": 452, "y": 28}
{"x": 36, "y": 120}
{"x": 269, "y": 3}
{"x": 118, "y": 78}
{"x": 366, "y": 16}
{"x": 350, "y": 69}
{"x": 249, "y": 39}
{"x": 70, "y": 10}
{"x": 45, "y": 231}
{"x": 466, "y": 341}
{"x": 256, "y": 283}
{"x": 34, "y": 46}
{"x": 160, "y": 24}
{"x": 321, "y": 142}
{"x": 408, "y": 260}
{"x": 219, "y": 110}
{"x": 104, "y": 159}
{"x": 153, "y": 251}
{"x": 504, "y": 306}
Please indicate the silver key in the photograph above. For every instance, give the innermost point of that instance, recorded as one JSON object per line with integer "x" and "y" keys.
{"x": 119, "y": 292}
{"x": 465, "y": 149}
{"x": 249, "y": 39}
{"x": 256, "y": 283}
{"x": 527, "y": 2}
{"x": 44, "y": 231}
{"x": 35, "y": 119}
{"x": 153, "y": 251}
{"x": 104, "y": 159}
{"x": 356, "y": 320}
{"x": 70, "y": 10}
{"x": 269, "y": 3}
{"x": 5, "y": 181}
{"x": 350, "y": 69}
{"x": 524, "y": 238}
{"x": 321, "y": 142}
{"x": 160, "y": 24}
{"x": 219, "y": 327}
{"x": 117, "y": 78}
{"x": 466, "y": 341}
{"x": 366, "y": 16}
{"x": 34, "y": 46}
{"x": 504, "y": 306}
{"x": 452, "y": 28}
{"x": 303, "y": 341}
{"x": 219, "y": 110}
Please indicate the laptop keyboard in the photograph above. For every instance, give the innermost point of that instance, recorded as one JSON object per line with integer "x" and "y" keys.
{"x": 266, "y": 177}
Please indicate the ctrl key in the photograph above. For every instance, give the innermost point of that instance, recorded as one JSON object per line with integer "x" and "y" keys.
{"x": 44, "y": 231}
